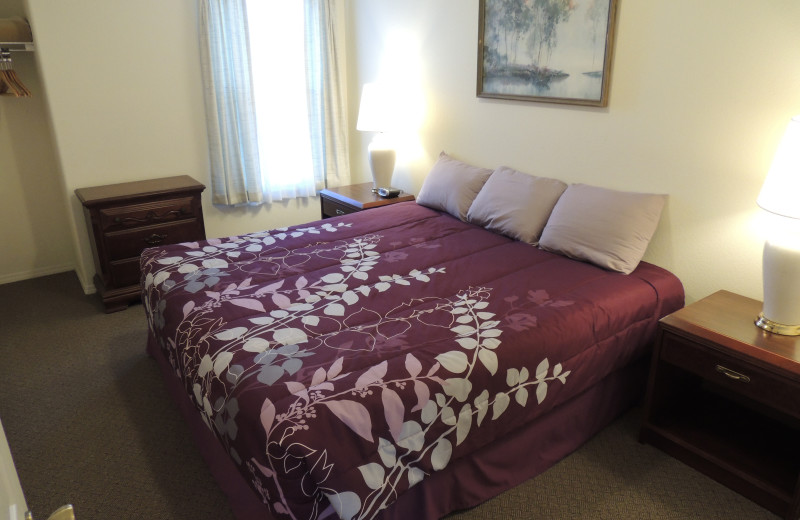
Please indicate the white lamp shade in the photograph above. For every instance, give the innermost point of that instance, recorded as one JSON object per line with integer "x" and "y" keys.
{"x": 781, "y": 190}
{"x": 373, "y": 113}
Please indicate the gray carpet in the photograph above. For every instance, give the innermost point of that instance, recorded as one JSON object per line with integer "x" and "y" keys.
{"x": 89, "y": 423}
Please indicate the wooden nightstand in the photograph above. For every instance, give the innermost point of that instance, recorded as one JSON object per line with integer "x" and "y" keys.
{"x": 124, "y": 219}
{"x": 356, "y": 197}
{"x": 724, "y": 397}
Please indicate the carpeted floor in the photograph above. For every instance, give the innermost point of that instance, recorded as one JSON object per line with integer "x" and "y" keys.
{"x": 89, "y": 423}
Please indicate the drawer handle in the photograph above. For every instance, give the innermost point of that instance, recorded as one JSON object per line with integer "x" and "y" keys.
{"x": 732, "y": 374}
{"x": 339, "y": 211}
{"x": 154, "y": 239}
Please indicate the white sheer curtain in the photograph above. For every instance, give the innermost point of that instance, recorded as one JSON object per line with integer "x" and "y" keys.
{"x": 230, "y": 105}
{"x": 274, "y": 99}
{"x": 325, "y": 75}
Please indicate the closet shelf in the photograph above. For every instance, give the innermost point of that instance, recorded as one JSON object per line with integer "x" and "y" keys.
{"x": 15, "y": 34}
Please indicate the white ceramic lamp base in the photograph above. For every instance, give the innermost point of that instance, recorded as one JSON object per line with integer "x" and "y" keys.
{"x": 381, "y": 163}
{"x": 781, "y": 311}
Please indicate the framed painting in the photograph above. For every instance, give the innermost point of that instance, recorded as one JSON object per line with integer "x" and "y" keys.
{"x": 553, "y": 51}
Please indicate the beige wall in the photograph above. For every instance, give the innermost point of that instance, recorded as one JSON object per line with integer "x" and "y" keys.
{"x": 123, "y": 84}
{"x": 700, "y": 95}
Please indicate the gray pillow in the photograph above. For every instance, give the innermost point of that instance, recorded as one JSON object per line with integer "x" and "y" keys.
{"x": 516, "y": 204}
{"x": 608, "y": 228}
{"x": 452, "y": 185}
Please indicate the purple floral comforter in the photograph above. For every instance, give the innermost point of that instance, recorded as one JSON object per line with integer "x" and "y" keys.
{"x": 344, "y": 361}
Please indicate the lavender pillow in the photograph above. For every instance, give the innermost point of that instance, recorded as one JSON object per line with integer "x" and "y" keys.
{"x": 452, "y": 185}
{"x": 608, "y": 228}
{"x": 516, "y": 204}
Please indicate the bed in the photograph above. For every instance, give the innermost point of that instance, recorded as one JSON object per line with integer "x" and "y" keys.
{"x": 395, "y": 363}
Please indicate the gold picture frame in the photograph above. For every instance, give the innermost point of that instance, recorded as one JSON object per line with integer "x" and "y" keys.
{"x": 551, "y": 51}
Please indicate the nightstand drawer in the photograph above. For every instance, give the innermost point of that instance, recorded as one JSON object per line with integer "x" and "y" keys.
{"x": 735, "y": 375}
{"x": 126, "y": 244}
{"x": 126, "y": 272}
{"x": 332, "y": 208}
{"x": 138, "y": 215}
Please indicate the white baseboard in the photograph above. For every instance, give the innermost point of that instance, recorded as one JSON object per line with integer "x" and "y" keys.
{"x": 36, "y": 273}
{"x": 87, "y": 285}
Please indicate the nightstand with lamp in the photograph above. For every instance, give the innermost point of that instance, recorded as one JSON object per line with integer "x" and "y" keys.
{"x": 375, "y": 114}
{"x": 723, "y": 394}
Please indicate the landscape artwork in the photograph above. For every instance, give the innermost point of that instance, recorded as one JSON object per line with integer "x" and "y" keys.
{"x": 556, "y": 51}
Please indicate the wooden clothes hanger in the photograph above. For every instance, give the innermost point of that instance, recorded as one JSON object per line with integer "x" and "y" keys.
{"x": 10, "y": 84}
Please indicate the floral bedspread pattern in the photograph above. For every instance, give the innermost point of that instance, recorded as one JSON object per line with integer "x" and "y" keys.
{"x": 342, "y": 362}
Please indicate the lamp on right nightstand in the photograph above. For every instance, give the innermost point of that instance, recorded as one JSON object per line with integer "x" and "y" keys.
{"x": 781, "y": 262}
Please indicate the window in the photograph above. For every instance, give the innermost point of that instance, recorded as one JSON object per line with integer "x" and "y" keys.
{"x": 278, "y": 67}
{"x": 274, "y": 99}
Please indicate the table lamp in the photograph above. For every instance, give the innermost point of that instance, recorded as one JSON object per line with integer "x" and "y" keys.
{"x": 373, "y": 116}
{"x": 781, "y": 262}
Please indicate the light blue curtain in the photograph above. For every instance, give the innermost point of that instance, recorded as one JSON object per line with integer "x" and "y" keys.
{"x": 230, "y": 103}
{"x": 326, "y": 87}
{"x": 230, "y": 106}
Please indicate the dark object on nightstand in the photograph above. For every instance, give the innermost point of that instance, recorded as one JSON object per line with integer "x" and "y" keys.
{"x": 388, "y": 193}
{"x": 724, "y": 397}
{"x": 124, "y": 219}
{"x": 353, "y": 198}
